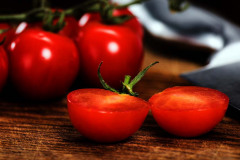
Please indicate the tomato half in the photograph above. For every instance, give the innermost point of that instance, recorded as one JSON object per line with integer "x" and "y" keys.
{"x": 105, "y": 116}
{"x": 188, "y": 111}
{"x": 120, "y": 49}
{"x": 3, "y": 67}
{"x": 43, "y": 64}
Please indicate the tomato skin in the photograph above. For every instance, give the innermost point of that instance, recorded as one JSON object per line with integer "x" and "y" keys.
{"x": 119, "y": 48}
{"x": 188, "y": 111}
{"x": 69, "y": 30}
{"x": 43, "y": 65}
{"x": 3, "y": 67}
{"x": 8, "y": 34}
{"x": 104, "y": 116}
{"x": 133, "y": 23}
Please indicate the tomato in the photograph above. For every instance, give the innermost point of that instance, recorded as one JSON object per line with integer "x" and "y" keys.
{"x": 43, "y": 64}
{"x": 133, "y": 23}
{"x": 69, "y": 30}
{"x": 188, "y": 111}
{"x": 8, "y": 34}
{"x": 3, "y": 67}
{"x": 105, "y": 116}
{"x": 117, "y": 46}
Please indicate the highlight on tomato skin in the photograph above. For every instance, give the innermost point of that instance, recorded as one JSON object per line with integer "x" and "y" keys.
{"x": 188, "y": 111}
{"x": 104, "y": 116}
{"x": 43, "y": 64}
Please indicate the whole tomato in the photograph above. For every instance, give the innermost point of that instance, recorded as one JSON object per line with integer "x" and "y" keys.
{"x": 132, "y": 23}
{"x": 188, "y": 111}
{"x": 105, "y": 116}
{"x": 3, "y": 67}
{"x": 43, "y": 64}
{"x": 118, "y": 46}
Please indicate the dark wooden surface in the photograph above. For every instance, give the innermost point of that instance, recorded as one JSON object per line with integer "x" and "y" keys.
{"x": 44, "y": 131}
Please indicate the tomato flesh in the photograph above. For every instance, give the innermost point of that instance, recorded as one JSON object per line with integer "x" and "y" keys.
{"x": 188, "y": 111}
{"x": 104, "y": 116}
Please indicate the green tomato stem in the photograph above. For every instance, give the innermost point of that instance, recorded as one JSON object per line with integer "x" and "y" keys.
{"x": 127, "y": 84}
{"x": 104, "y": 84}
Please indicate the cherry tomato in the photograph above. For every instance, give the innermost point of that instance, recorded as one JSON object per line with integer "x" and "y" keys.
{"x": 69, "y": 30}
{"x": 133, "y": 23}
{"x": 188, "y": 111}
{"x": 3, "y": 67}
{"x": 117, "y": 46}
{"x": 43, "y": 64}
{"x": 105, "y": 116}
{"x": 8, "y": 34}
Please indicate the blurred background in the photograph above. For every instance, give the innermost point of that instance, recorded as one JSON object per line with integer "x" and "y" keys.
{"x": 226, "y": 8}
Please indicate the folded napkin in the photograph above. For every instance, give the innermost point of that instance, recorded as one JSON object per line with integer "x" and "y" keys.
{"x": 199, "y": 27}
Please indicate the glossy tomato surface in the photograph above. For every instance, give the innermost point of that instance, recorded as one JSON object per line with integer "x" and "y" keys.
{"x": 43, "y": 64}
{"x": 69, "y": 30}
{"x": 188, "y": 111}
{"x": 133, "y": 23}
{"x": 105, "y": 116}
{"x": 119, "y": 48}
{"x": 3, "y": 67}
{"x": 8, "y": 33}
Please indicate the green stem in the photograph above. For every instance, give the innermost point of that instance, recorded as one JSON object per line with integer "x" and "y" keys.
{"x": 88, "y": 6}
{"x": 104, "y": 84}
{"x": 35, "y": 14}
{"x": 13, "y": 17}
{"x": 141, "y": 74}
{"x": 127, "y": 84}
{"x": 130, "y": 85}
{"x": 129, "y": 4}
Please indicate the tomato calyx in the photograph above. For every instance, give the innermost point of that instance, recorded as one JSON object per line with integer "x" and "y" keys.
{"x": 48, "y": 24}
{"x": 128, "y": 84}
{"x": 106, "y": 11}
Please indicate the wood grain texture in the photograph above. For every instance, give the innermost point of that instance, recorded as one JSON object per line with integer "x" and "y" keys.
{"x": 44, "y": 131}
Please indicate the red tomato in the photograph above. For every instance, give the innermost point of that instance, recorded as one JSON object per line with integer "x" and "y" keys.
{"x": 188, "y": 111}
{"x": 117, "y": 46}
{"x": 105, "y": 116}
{"x": 133, "y": 23}
{"x": 8, "y": 34}
{"x": 69, "y": 30}
{"x": 43, "y": 64}
{"x": 3, "y": 67}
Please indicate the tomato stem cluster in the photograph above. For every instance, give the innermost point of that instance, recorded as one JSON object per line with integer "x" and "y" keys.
{"x": 104, "y": 7}
{"x": 128, "y": 84}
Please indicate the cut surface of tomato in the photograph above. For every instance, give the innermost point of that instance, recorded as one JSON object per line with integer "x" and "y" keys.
{"x": 105, "y": 116}
{"x": 188, "y": 111}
